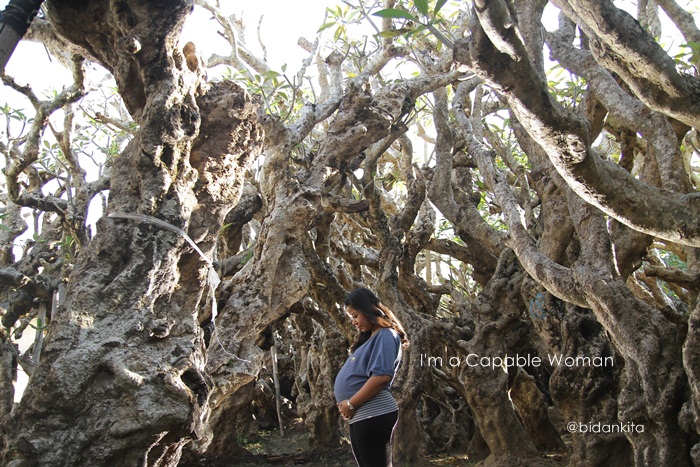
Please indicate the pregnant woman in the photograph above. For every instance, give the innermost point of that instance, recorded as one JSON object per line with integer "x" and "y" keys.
{"x": 362, "y": 385}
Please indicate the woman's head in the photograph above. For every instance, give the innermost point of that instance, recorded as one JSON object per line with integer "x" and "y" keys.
{"x": 365, "y": 302}
{"x": 369, "y": 314}
{"x": 361, "y": 321}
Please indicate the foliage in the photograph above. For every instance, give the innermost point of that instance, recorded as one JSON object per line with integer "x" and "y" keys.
{"x": 689, "y": 60}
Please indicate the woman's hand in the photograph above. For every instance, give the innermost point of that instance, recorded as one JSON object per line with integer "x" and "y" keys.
{"x": 368, "y": 390}
{"x": 345, "y": 411}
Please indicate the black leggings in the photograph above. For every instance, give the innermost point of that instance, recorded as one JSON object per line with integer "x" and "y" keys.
{"x": 371, "y": 440}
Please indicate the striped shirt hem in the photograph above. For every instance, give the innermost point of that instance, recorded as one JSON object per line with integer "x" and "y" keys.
{"x": 380, "y": 404}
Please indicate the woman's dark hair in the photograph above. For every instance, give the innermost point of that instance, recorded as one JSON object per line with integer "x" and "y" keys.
{"x": 367, "y": 303}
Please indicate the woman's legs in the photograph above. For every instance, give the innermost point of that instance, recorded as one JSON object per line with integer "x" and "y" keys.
{"x": 371, "y": 440}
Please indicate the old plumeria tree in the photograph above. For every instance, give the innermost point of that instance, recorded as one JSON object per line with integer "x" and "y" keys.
{"x": 525, "y": 198}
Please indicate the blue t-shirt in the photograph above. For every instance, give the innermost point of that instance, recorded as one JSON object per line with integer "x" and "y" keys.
{"x": 380, "y": 355}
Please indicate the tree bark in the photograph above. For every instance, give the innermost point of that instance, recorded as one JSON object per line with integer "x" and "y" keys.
{"x": 136, "y": 378}
{"x": 498, "y": 333}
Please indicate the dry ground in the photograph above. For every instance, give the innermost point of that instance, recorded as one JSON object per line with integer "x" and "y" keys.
{"x": 271, "y": 449}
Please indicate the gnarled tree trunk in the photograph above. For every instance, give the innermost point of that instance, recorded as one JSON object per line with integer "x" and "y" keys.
{"x": 122, "y": 377}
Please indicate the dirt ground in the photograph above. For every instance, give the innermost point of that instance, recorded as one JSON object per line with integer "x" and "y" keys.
{"x": 293, "y": 449}
{"x": 271, "y": 449}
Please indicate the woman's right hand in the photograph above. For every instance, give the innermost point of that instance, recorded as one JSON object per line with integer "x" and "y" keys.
{"x": 345, "y": 410}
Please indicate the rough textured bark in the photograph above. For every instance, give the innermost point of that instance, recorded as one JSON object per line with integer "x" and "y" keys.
{"x": 691, "y": 351}
{"x": 580, "y": 394}
{"x": 565, "y": 138}
{"x": 588, "y": 395}
{"x": 9, "y": 366}
{"x": 532, "y": 408}
{"x": 497, "y": 333}
{"x": 142, "y": 369}
{"x": 594, "y": 280}
{"x": 635, "y": 56}
{"x": 319, "y": 356}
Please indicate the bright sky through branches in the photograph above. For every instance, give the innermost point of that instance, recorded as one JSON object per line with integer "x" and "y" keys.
{"x": 281, "y": 23}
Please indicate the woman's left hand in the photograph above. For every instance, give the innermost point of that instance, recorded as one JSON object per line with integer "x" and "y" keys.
{"x": 345, "y": 411}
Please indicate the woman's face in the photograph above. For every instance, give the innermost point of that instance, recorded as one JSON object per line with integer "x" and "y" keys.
{"x": 360, "y": 320}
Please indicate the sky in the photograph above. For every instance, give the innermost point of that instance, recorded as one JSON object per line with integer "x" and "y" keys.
{"x": 282, "y": 22}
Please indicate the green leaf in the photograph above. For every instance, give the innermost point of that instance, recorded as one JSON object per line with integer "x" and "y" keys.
{"x": 394, "y": 13}
{"x": 694, "y": 54}
{"x": 414, "y": 31}
{"x": 326, "y": 26}
{"x": 421, "y": 6}
{"x": 339, "y": 32}
{"x": 393, "y": 32}
{"x": 438, "y": 6}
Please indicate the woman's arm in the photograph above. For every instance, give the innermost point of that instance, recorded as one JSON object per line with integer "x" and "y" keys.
{"x": 370, "y": 389}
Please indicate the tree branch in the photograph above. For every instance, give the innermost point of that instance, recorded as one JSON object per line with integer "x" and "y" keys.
{"x": 564, "y": 136}
{"x": 619, "y": 42}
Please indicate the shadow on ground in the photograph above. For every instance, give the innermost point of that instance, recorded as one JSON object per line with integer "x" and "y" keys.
{"x": 269, "y": 448}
